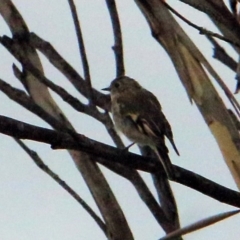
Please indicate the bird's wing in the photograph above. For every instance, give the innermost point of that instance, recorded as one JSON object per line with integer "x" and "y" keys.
{"x": 155, "y": 123}
{"x": 147, "y": 116}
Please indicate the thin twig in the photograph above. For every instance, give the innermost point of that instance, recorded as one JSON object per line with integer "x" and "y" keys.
{"x": 118, "y": 45}
{"x": 68, "y": 71}
{"x": 234, "y": 119}
{"x": 228, "y": 93}
{"x": 200, "y": 29}
{"x": 67, "y": 97}
{"x": 221, "y": 55}
{"x": 72, "y": 101}
{"x": 39, "y": 162}
{"x": 200, "y": 224}
{"x": 235, "y": 106}
{"x": 82, "y": 49}
{"x": 24, "y": 100}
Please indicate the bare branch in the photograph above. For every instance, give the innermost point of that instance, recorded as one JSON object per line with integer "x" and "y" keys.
{"x": 137, "y": 181}
{"x": 165, "y": 193}
{"x": 24, "y": 100}
{"x": 20, "y": 32}
{"x": 21, "y": 98}
{"x": 221, "y": 55}
{"x": 200, "y": 224}
{"x": 68, "y": 71}
{"x": 201, "y": 30}
{"x": 72, "y": 101}
{"x": 105, "y": 152}
{"x": 118, "y": 45}
{"x": 67, "y": 97}
{"x": 115, "y": 220}
{"x": 167, "y": 200}
{"x": 191, "y": 66}
{"x": 82, "y": 50}
{"x": 221, "y": 16}
{"x": 39, "y": 162}
{"x": 209, "y": 34}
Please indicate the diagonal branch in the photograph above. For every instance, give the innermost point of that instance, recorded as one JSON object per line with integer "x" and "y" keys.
{"x": 209, "y": 34}
{"x": 38, "y": 161}
{"x": 67, "y": 97}
{"x": 68, "y": 71}
{"x": 220, "y": 15}
{"x": 201, "y": 29}
{"x": 24, "y": 100}
{"x": 200, "y": 224}
{"x": 106, "y": 153}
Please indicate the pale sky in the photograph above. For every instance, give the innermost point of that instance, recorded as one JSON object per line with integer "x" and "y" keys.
{"x": 33, "y": 206}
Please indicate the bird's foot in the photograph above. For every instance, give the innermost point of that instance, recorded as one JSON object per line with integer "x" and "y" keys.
{"x": 127, "y": 148}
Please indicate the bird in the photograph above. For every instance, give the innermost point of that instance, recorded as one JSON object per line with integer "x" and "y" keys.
{"x": 138, "y": 114}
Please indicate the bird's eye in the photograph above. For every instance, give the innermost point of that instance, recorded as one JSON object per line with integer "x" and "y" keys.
{"x": 116, "y": 85}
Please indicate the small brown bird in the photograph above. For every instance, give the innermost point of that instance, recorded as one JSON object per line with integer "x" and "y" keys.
{"x": 138, "y": 115}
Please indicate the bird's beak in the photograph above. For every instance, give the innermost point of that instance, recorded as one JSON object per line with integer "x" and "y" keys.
{"x": 106, "y": 89}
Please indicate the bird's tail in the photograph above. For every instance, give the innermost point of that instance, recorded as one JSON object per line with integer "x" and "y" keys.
{"x": 166, "y": 163}
{"x": 174, "y": 146}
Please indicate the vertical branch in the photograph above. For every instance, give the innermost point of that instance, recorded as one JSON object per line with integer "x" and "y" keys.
{"x": 167, "y": 200}
{"x": 165, "y": 195}
{"x": 82, "y": 50}
{"x": 170, "y": 214}
{"x": 170, "y": 221}
{"x": 118, "y": 44}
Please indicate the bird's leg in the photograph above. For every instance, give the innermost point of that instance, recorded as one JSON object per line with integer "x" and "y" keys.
{"x": 127, "y": 148}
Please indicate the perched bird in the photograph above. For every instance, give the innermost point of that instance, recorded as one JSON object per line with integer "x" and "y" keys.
{"x": 138, "y": 115}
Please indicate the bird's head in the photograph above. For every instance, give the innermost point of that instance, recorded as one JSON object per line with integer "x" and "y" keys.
{"x": 122, "y": 84}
